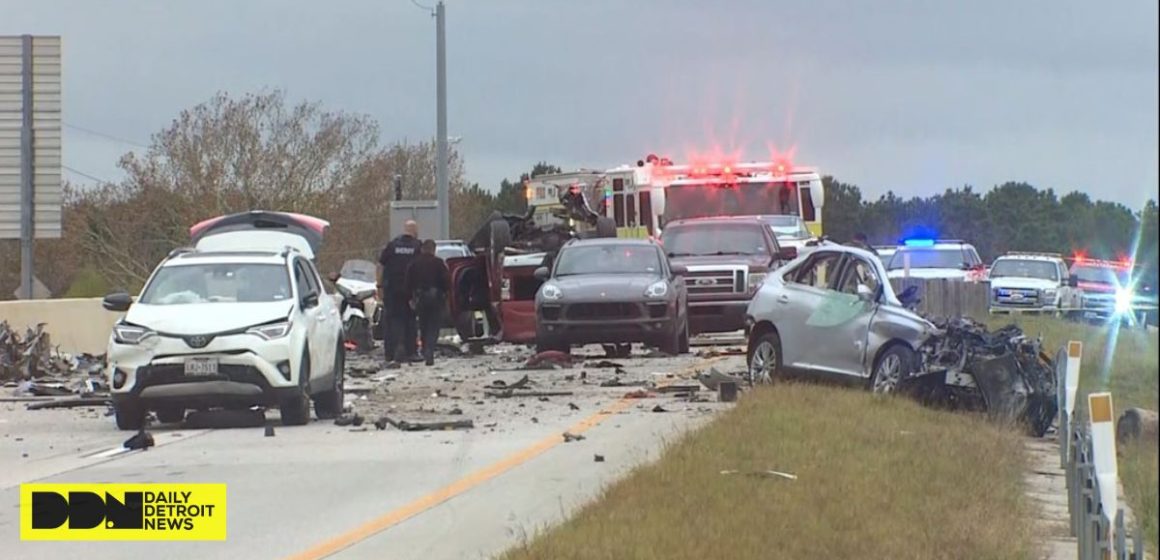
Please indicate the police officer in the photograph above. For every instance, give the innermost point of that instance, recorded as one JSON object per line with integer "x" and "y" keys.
{"x": 398, "y": 314}
{"x": 428, "y": 281}
{"x": 861, "y": 241}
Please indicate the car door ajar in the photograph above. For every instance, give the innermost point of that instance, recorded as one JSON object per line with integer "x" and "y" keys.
{"x": 843, "y": 348}
{"x": 806, "y": 288}
{"x": 312, "y": 317}
{"x": 330, "y": 335}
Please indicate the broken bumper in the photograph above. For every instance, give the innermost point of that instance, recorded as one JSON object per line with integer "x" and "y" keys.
{"x": 247, "y": 371}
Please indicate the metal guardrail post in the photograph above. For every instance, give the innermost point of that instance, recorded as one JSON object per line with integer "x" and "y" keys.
{"x": 1138, "y": 543}
{"x": 1121, "y": 547}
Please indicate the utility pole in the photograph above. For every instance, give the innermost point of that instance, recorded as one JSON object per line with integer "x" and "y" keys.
{"x": 441, "y": 156}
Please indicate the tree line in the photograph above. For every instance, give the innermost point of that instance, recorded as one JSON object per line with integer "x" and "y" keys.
{"x": 258, "y": 151}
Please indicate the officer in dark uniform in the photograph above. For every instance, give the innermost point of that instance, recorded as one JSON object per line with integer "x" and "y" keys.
{"x": 398, "y": 314}
{"x": 861, "y": 241}
{"x": 428, "y": 281}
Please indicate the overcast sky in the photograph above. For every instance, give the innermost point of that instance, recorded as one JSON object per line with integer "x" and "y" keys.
{"x": 914, "y": 96}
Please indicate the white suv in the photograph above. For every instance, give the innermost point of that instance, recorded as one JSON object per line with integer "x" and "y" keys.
{"x": 1033, "y": 283}
{"x": 949, "y": 259}
{"x": 241, "y": 320}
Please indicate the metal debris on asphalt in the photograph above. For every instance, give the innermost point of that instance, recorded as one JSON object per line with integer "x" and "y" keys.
{"x": 573, "y": 406}
{"x": 570, "y": 437}
{"x": 431, "y": 425}
{"x": 508, "y": 393}
{"x": 713, "y": 379}
{"x": 598, "y": 458}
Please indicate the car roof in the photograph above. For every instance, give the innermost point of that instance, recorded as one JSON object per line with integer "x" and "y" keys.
{"x": 1044, "y": 258}
{"x": 957, "y": 245}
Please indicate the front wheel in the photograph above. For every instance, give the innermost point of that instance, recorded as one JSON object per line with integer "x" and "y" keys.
{"x": 893, "y": 367}
{"x": 764, "y": 359}
{"x": 328, "y": 404}
{"x": 130, "y": 415}
{"x": 295, "y": 409}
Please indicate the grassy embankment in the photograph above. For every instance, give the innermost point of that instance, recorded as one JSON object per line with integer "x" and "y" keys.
{"x": 877, "y": 478}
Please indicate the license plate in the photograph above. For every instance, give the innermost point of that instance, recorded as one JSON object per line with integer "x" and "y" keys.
{"x": 201, "y": 366}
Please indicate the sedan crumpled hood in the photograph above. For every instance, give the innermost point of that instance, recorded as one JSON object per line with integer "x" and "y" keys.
{"x": 618, "y": 287}
{"x": 205, "y": 318}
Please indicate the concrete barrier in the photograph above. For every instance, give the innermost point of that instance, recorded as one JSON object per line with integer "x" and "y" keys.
{"x": 75, "y": 325}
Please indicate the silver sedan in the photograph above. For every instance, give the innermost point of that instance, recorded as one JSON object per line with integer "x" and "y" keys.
{"x": 833, "y": 312}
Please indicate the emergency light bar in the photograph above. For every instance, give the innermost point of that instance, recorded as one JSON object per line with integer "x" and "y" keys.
{"x": 1101, "y": 263}
{"x": 926, "y": 242}
{"x": 1034, "y": 254}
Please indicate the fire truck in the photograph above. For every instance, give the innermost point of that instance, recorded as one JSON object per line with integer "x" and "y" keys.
{"x": 642, "y": 198}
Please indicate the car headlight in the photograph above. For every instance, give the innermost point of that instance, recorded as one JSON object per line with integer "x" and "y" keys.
{"x": 1049, "y": 295}
{"x": 271, "y": 332}
{"x": 1123, "y": 300}
{"x": 130, "y": 334}
{"x": 657, "y": 289}
{"x": 551, "y": 292}
{"x": 756, "y": 279}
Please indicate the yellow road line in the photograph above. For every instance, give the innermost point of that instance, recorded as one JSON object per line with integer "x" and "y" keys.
{"x": 392, "y": 518}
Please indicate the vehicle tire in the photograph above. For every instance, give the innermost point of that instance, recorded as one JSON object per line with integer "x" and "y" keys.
{"x": 892, "y": 368}
{"x": 763, "y": 361}
{"x": 170, "y": 415}
{"x": 295, "y": 410}
{"x": 328, "y": 404}
{"x": 671, "y": 345}
{"x": 130, "y": 415}
{"x": 605, "y": 227}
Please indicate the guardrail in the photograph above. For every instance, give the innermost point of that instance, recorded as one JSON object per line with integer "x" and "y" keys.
{"x": 1087, "y": 454}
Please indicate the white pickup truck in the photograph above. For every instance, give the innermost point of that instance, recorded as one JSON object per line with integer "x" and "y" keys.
{"x": 1023, "y": 282}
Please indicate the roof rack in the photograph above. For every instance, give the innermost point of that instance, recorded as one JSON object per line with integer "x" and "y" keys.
{"x": 1033, "y": 254}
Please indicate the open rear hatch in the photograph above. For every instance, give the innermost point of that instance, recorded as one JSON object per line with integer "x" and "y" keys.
{"x": 260, "y": 230}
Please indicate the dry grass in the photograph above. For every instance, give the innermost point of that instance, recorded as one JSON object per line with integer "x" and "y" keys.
{"x": 877, "y": 478}
{"x": 1130, "y": 373}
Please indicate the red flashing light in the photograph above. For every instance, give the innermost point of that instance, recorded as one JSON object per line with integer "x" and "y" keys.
{"x": 728, "y": 170}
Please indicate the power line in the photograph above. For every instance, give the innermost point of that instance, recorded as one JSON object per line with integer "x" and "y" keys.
{"x": 105, "y": 135}
{"x": 422, "y": 7}
{"x": 85, "y": 175}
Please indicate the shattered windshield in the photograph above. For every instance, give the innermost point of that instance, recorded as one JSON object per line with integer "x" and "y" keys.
{"x": 608, "y": 259}
{"x": 927, "y": 258}
{"x": 714, "y": 239}
{"x": 1025, "y": 268}
{"x": 218, "y": 282}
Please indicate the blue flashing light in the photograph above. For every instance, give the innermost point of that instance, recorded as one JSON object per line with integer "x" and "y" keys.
{"x": 918, "y": 242}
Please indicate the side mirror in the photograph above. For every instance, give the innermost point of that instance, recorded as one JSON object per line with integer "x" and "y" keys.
{"x": 117, "y": 301}
{"x": 788, "y": 253}
{"x": 678, "y": 269}
{"x": 1073, "y": 281}
{"x": 309, "y": 300}
{"x": 333, "y": 276}
{"x": 542, "y": 273}
{"x": 865, "y": 293}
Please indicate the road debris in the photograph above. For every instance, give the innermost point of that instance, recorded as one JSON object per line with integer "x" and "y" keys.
{"x": 604, "y": 364}
{"x": 679, "y": 388}
{"x": 509, "y": 393}
{"x": 717, "y": 352}
{"x": 427, "y": 425}
{"x": 76, "y": 402}
{"x": 614, "y": 382}
{"x": 550, "y": 359}
{"x": 727, "y": 391}
{"x": 639, "y": 394}
{"x": 659, "y": 408}
{"x": 570, "y": 437}
{"x": 269, "y": 431}
{"x": 353, "y": 419}
{"x": 598, "y": 458}
{"x": 573, "y": 406}
{"x": 501, "y": 384}
{"x": 140, "y": 440}
{"x": 764, "y": 474}
{"x": 1004, "y": 372}
{"x": 713, "y": 379}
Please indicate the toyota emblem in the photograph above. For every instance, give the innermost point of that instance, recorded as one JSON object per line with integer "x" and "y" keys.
{"x": 199, "y": 341}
